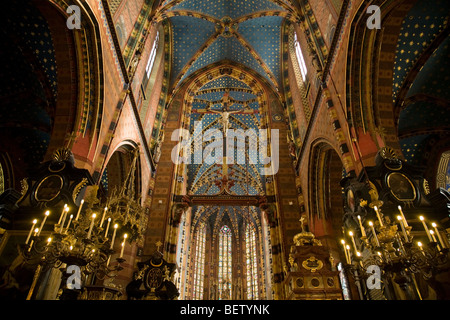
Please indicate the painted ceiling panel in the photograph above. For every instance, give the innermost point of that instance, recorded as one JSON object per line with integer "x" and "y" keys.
{"x": 422, "y": 115}
{"x": 264, "y": 35}
{"x": 421, "y": 26}
{"x": 226, "y": 8}
{"x": 413, "y": 148}
{"x": 188, "y": 34}
{"x": 226, "y": 49}
{"x": 225, "y": 82}
{"x": 433, "y": 78}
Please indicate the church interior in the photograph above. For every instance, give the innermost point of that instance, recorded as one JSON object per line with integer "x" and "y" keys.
{"x": 225, "y": 150}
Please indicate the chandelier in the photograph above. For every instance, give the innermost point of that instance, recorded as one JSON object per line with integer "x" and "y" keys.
{"x": 85, "y": 238}
{"x": 390, "y": 246}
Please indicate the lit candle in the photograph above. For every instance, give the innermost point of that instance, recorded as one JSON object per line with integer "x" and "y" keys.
{"x": 420, "y": 247}
{"x": 67, "y": 228}
{"x": 47, "y": 213}
{"x": 32, "y": 241}
{"x": 348, "y": 252}
{"x": 432, "y": 236}
{"x": 353, "y": 240}
{"x": 31, "y": 231}
{"x": 400, "y": 220}
{"x": 107, "y": 227}
{"x": 114, "y": 235}
{"x": 79, "y": 210}
{"x": 91, "y": 226}
{"x": 123, "y": 244}
{"x": 426, "y": 228}
{"x": 363, "y": 232}
{"x": 378, "y": 215}
{"x": 62, "y": 213}
{"x": 347, "y": 258}
{"x": 374, "y": 233}
{"x": 49, "y": 240}
{"x": 103, "y": 217}
{"x": 439, "y": 235}
{"x": 403, "y": 216}
{"x": 64, "y": 219}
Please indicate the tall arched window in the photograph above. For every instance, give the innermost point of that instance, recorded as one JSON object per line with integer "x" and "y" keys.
{"x": 151, "y": 61}
{"x": 300, "y": 59}
{"x": 225, "y": 263}
{"x": 251, "y": 262}
{"x": 151, "y": 58}
{"x": 199, "y": 262}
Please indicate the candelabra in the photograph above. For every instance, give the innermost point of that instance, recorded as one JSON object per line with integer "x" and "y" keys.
{"x": 84, "y": 241}
{"x": 390, "y": 246}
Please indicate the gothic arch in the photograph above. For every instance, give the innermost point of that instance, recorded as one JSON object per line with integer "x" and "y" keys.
{"x": 325, "y": 195}
{"x": 81, "y": 77}
{"x": 374, "y": 49}
{"x": 117, "y": 170}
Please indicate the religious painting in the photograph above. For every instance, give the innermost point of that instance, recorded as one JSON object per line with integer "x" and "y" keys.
{"x": 49, "y": 188}
{"x": 401, "y": 187}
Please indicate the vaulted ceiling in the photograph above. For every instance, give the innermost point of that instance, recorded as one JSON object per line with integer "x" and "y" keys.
{"x": 420, "y": 80}
{"x": 245, "y": 33}
{"x": 208, "y": 31}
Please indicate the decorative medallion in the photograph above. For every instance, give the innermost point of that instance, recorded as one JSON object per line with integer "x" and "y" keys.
{"x": 277, "y": 117}
{"x": 401, "y": 187}
{"x": 49, "y": 188}
{"x": 330, "y": 282}
{"x": 154, "y": 278}
{"x": 315, "y": 282}
{"x": 312, "y": 264}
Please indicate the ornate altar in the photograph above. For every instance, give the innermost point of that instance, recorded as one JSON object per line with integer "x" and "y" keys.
{"x": 153, "y": 280}
{"x": 311, "y": 274}
{"x": 395, "y": 222}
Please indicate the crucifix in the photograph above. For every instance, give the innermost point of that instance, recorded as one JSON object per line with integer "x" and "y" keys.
{"x": 226, "y": 101}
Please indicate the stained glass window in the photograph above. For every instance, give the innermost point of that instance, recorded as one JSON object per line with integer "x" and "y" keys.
{"x": 225, "y": 263}
{"x": 300, "y": 59}
{"x": 251, "y": 262}
{"x": 199, "y": 262}
{"x": 344, "y": 283}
